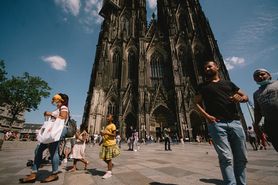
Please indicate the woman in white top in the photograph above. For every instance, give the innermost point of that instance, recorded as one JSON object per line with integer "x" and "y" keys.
{"x": 61, "y": 101}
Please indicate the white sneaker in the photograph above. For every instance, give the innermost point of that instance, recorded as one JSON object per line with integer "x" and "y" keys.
{"x": 107, "y": 175}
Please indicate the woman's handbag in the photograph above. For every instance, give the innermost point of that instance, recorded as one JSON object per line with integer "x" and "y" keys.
{"x": 51, "y": 131}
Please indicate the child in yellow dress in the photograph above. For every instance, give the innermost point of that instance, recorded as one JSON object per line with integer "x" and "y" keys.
{"x": 109, "y": 148}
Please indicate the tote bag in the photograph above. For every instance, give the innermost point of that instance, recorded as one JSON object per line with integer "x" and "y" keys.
{"x": 51, "y": 131}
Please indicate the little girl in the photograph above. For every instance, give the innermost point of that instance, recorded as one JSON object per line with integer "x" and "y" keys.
{"x": 78, "y": 151}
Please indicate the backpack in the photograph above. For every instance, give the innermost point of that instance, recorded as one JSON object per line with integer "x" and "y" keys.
{"x": 71, "y": 128}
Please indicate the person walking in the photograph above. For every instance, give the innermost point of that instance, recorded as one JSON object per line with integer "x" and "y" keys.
{"x": 109, "y": 148}
{"x": 220, "y": 98}
{"x": 166, "y": 135}
{"x": 69, "y": 143}
{"x": 266, "y": 105}
{"x": 130, "y": 139}
{"x": 252, "y": 138}
{"x": 2, "y": 138}
{"x": 135, "y": 136}
{"x": 61, "y": 101}
{"x": 118, "y": 140}
{"x": 78, "y": 151}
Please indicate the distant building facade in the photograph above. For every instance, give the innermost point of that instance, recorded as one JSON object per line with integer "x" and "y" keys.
{"x": 29, "y": 131}
{"x": 5, "y": 120}
{"x": 146, "y": 74}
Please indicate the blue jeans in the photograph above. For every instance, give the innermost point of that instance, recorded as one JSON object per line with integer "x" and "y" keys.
{"x": 229, "y": 142}
{"x": 54, "y": 154}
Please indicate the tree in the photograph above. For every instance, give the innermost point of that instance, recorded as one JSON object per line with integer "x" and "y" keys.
{"x": 20, "y": 94}
{"x": 2, "y": 71}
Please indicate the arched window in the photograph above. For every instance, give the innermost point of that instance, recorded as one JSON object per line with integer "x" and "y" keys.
{"x": 111, "y": 108}
{"x": 132, "y": 65}
{"x": 157, "y": 69}
{"x": 116, "y": 63}
{"x": 125, "y": 24}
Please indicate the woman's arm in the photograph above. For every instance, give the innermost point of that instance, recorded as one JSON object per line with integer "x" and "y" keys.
{"x": 63, "y": 115}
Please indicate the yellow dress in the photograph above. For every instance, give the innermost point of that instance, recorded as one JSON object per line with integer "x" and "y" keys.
{"x": 109, "y": 147}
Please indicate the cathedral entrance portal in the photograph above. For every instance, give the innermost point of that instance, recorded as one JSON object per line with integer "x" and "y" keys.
{"x": 198, "y": 125}
{"x": 130, "y": 123}
{"x": 161, "y": 118}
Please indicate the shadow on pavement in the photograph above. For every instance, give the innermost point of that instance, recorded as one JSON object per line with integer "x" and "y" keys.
{"x": 96, "y": 172}
{"x": 158, "y": 183}
{"x": 212, "y": 181}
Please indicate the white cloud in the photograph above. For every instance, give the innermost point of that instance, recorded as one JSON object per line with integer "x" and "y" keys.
{"x": 90, "y": 15}
{"x": 256, "y": 37}
{"x": 56, "y": 62}
{"x": 232, "y": 62}
{"x": 152, "y": 4}
{"x": 70, "y": 6}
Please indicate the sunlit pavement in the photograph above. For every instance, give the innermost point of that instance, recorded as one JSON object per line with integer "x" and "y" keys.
{"x": 186, "y": 164}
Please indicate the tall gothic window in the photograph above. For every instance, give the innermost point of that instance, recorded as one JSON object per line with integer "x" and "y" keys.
{"x": 132, "y": 65}
{"x": 111, "y": 108}
{"x": 116, "y": 63}
{"x": 157, "y": 69}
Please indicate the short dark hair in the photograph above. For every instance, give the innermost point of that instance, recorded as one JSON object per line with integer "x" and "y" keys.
{"x": 208, "y": 61}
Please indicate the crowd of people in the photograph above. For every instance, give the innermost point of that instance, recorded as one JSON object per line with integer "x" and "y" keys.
{"x": 216, "y": 99}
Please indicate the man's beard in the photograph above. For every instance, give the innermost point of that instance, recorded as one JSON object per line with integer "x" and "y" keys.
{"x": 210, "y": 74}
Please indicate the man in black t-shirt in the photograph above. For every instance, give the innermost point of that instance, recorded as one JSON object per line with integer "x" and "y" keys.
{"x": 220, "y": 98}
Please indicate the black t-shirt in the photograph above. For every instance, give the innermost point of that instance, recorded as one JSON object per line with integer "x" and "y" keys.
{"x": 216, "y": 99}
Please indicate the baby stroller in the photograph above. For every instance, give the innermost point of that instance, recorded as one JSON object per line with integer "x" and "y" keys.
{"x": 45, "y": 158}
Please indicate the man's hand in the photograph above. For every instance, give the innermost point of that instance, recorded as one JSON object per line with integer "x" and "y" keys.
{"x": 236, "y": 98}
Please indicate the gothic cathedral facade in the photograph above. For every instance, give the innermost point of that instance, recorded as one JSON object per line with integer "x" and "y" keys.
{"x": 146, "y": 74}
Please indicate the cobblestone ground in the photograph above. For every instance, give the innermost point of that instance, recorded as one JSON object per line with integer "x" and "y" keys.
{"x": 186, "y": 164}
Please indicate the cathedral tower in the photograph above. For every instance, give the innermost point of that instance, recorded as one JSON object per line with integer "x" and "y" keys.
{"x": 146, "y": 74}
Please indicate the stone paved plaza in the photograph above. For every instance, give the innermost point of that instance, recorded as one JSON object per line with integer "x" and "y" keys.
{"x": 186, "y": 164}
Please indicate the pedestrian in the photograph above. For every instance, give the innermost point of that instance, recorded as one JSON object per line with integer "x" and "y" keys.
{"x": 130, "y": 138}
{"x": 69, "y": 143}
{"x": 61, "y": 101}
{"x": 263, "y": 140}
{"x": 78, "y": 151}
{"x": 118, "y": 140}
{"x": 109, "y": 148}
{"x": 166, "y": 135}
{"x": 266, "y": 105}
{"x": 135, "y": 136}
{"x": 252, "y": 138}
{"x": 2, "y": 137}
{"x": 220, "y": 98}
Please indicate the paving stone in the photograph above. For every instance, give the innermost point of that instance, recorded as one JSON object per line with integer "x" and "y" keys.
{"x": 187, "y": 164}
{"x": 176, "y": 172}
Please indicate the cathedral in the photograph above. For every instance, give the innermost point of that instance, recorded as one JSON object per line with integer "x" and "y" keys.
{"x": 146, "y": 73}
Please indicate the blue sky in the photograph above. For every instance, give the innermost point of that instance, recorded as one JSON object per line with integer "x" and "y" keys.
{"x": 56, "y": 39}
